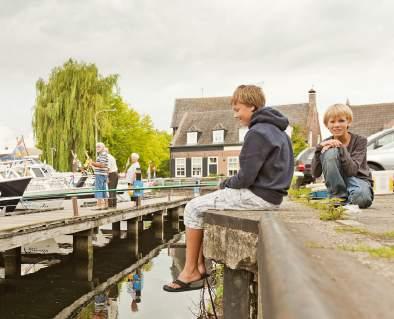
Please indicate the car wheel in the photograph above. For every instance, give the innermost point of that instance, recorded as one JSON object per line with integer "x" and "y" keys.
{"x": 375, "y": 167}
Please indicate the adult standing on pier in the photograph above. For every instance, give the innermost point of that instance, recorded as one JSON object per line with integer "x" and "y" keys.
{"x": 112, "y": 179}
{"x": 101, "y": 176}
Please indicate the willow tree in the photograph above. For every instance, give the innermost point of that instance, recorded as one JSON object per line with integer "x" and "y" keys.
{"x": 65, "y": 108}
{"x": 298, "y": 140}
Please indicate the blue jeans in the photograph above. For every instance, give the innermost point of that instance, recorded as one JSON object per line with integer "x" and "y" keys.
{"x": 101, "y": 186}
{"x": 354, "y": 190}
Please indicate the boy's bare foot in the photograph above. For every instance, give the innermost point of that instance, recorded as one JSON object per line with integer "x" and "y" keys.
{"x": 202, "y": 269}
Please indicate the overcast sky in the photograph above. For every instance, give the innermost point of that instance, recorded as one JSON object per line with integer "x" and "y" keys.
{"x": 164, "y": 50}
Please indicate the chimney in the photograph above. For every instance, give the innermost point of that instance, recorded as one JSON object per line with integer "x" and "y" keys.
{"x": 312, "y": 124}
{"x": 312, "y": 97}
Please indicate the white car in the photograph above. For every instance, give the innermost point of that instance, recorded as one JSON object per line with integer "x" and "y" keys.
{"x": 381, "y": 158}
{"x": 380, "y": 139}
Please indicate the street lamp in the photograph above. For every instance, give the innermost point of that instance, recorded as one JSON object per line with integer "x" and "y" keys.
{"x": 95, "y": 122}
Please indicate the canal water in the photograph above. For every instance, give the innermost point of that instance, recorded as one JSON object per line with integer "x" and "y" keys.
{"x": 115, "y": 285}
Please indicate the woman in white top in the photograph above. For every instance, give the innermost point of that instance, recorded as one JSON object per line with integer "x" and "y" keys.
{"x": 130, "y": 176}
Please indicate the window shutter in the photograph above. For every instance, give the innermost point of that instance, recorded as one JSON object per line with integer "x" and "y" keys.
{"x": 204, "y": 167}
{"x": 188, "y": 167}
{"x": 173, "y": 167}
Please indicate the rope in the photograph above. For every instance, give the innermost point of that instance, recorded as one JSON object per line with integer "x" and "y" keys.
{"x": 210, "y": 296}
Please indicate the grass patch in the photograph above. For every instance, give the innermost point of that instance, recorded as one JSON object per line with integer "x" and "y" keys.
{"x": 386, "y": 235}
{"x": 380, "y": 252}
{"x": 328, "y": 208}
{"x": 362, "y": 231}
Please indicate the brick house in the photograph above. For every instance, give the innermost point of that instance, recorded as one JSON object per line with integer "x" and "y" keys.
{"x": 207, "y": 139}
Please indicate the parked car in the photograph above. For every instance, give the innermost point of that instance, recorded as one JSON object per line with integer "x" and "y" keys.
{"x": 380, "y": 139}
{"x": 381, "y": 158}
{"x": 303, "y": 166}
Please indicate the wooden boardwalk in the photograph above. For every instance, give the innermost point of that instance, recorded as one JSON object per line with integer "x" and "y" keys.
{"x": 19, "y": 230}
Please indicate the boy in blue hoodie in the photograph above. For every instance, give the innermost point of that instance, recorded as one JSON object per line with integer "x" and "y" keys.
{"x": 266, "y": 169}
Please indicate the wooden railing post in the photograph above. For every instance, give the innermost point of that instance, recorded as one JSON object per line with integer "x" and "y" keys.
{"x": 12, "y": 263}
{"x": 74, "y": 200}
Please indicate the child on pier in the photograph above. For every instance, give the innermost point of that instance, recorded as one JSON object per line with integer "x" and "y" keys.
{"x": 342, "y": 158}
{"x": 266, "y": 169}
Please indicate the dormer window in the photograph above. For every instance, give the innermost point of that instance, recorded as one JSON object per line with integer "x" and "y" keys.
{"x": 191, "y": 138}
{"x": 218, "y": 136}
{"x": 241, "y": 133}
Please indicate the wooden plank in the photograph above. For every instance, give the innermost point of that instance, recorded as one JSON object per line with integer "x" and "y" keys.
{"x": 45, "y": 225}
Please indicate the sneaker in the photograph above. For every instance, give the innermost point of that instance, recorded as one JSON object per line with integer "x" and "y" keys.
{"x": 352, "y": 208}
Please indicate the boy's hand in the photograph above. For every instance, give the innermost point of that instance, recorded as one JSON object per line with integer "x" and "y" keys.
{"x": 330, "y": 144}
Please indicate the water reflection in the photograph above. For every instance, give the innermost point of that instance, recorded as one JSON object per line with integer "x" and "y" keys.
{"x": 121, "y": 282}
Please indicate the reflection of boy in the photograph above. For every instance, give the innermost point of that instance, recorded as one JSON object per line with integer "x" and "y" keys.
{"x": 342, "y": 158}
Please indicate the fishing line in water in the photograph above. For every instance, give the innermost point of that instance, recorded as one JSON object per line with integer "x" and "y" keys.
{"x": 210, "y": 296}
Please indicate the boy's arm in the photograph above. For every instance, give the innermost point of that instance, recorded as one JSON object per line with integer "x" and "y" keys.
{"x": 253, "y": 154}
{"x": 351, "y": 162}
{"x": 316, "y": 164}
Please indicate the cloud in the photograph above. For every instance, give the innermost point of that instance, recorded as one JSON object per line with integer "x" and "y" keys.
{"x": 165, "y": 50}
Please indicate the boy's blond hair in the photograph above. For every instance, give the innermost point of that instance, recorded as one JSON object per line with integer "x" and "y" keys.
{"x": 250, "y": 95}
{"x": 337, "y": 110}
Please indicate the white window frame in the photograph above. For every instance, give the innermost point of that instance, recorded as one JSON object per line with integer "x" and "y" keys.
{"x": 191, "y": 138}
{"x": 216, "y": 164}
{"x": 198, "y": 166}
{"x": 180, "y": 166}
{"x": 231, "y": 159}
{"x": 218, "y": 136}
{"x": 241, "y": 133}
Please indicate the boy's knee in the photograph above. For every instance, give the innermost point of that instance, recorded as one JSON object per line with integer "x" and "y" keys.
{"x": 330, "y": 154}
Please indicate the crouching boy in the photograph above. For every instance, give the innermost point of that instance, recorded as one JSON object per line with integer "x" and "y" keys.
{"x": 266, "y": 170}
{"x": 342, "y": 158}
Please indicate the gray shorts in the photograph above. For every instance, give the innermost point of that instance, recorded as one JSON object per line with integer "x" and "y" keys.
{"x": 228, "y": 198}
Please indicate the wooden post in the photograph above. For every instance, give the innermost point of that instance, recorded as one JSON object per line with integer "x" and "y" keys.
{"x": 133, "y": 235}
{"x": 140, "y": 224}
{"x": 12, "y": 263}
{"x": 236, "y": 293}
{"x": 173, "y": 217}
{"x": 158, "y": 225}
{"x": 83, "y": 255}
{"x": 75, "y": 205}
{"x": 116, "y": 230}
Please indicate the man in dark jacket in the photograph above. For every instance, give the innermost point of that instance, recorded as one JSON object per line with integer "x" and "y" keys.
{"x": 266, "y": 169}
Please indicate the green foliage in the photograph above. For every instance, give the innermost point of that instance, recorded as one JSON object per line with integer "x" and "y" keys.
{"x": 298, "y": 140}
{"x": 64, "y": 111}
{"x": 329, "y": 209}
{"x": 362, "y": 231}
{"x": 381, "y": 252}
{"x": 64, "y": 119}
{"x": 128, "y": 133}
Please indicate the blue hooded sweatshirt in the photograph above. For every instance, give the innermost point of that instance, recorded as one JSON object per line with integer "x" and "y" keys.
{"x": 266, "y": 159}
